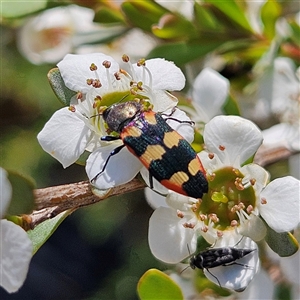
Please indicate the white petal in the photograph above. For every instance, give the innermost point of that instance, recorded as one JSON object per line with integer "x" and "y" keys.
{"x": 281, "y": 212}
{"x": 154, "y": 199}
{"x": 178, "y": 201}
{"x": 210, "y": 90}
{"x": 240, "y": 137}
{"x": 261, "y": 176}
{"x": 162, "y": 100}
{"x": 75, "y": 70}
{"x": 282, "y": 135}
{"x": 16, "y": 252}
{"x": 65, "y": 136}
{"x": 165, "y": 75}
{"x": 237, "y": 277}
{"x": 285, "y": 83}
{"x": 262, "y": 287}
{"x": 121, "y": 168}
{"x": 168, "y": 239}
{"x": 5, "y": 192}
{"x": 253, "y": 228}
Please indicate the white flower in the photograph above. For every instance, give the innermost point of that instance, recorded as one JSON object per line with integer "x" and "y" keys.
{"x": 50, "y": 35}
{"x": 209, "y": 93}
{"x": 285, "y": 105}
{"x": 238, "y": 194}
{"x": 100, "y": 83}
{"x": 15, "y": 246}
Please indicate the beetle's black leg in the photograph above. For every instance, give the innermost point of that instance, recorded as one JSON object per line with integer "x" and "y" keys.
{"x": 151, "y": 181}
{"x": 213, "y": 276}
{"x": 180, "y": 121}
{"x": 174, "y": 119}
{"x": 236, "y": 263}
{"x": 114, "y": 152}
{"x": 170, "y": 114}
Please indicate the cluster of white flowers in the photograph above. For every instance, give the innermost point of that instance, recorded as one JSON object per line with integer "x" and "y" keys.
{"x": 240, "y": 194}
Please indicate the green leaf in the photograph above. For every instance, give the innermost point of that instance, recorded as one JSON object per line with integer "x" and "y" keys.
{"x": 63, "y": 93}
{"x": 202, "y": 244}
{"x": 41, "y": 233}
{"x": 231, "y": 107}
{"x": 22, "y": 201}
{"x": 283, "y": 243}
{"x": 295, "y": 32}
{"x": 283, "y": 291}
{"x": 83, "y": 157}
{"x": 231, "y": 12}
{"x": 171, "y": 26}
{"x": 154, "y": 285}
{"x": 143, "y": 14}
{"x": 181, "y": 53}
{"x": 14, "y": 9}
{"x": 204, "y": 19}
{"x": 270, "y": 12}
{"x": 107, "y": 15}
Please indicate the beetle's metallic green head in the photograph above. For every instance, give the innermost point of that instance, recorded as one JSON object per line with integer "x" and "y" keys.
{"x": 119, "y": 115}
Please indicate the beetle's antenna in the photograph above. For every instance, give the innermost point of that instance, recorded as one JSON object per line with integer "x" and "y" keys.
{"x": 184, "y": 269}
{"x": 238, "y": 242}
{"x": 187, "y": 245}
{"x": 124, "y": 97}
{"x": 99, "y": 114}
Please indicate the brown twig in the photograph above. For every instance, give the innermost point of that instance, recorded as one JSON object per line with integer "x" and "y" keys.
{"x": 266, "y": 155}
{"x": 51, "y": 201}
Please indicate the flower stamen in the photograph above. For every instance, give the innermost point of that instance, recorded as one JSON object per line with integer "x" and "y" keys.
{"x": 188, "y": 225}
{"x": 180, "y": 214}
{"x": 263, "y": 201}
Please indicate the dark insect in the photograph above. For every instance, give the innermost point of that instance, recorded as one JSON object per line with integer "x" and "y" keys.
{"x": 169, "y": 158}
{"x": 215, "y": 257}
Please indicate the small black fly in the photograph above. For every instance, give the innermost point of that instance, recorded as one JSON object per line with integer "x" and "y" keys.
{"x": 215, "y": 257}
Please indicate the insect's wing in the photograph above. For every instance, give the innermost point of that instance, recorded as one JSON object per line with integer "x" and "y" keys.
{"x": 166, "y": 154}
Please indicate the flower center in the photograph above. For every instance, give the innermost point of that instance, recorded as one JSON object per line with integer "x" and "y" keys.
{"x": 229, "y": 194}
{"x": 113, "y": 89}
{"x": 51, "y": 37}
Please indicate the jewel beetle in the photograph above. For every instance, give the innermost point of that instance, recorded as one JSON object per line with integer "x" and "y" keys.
{"x": 215, "y": 257}
{"x": 169, "y": 158}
